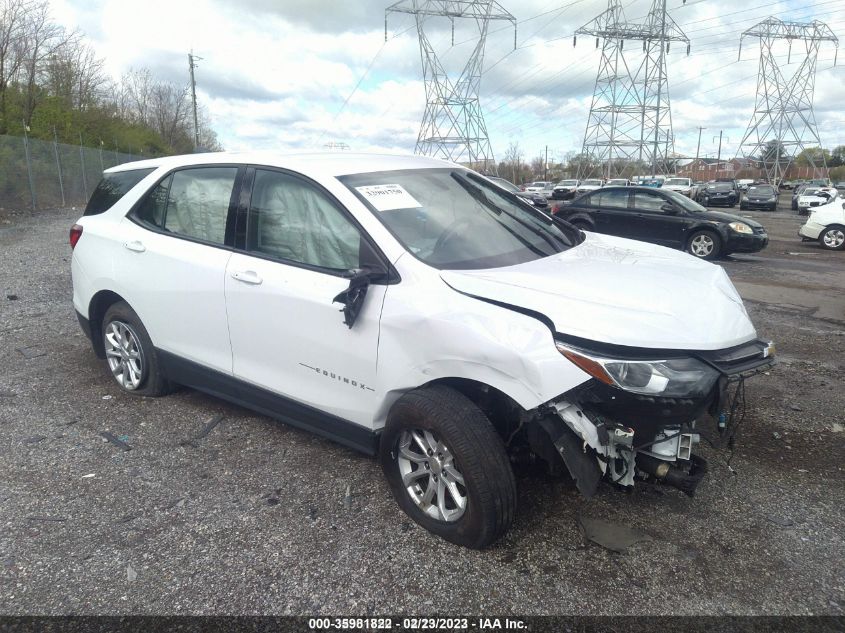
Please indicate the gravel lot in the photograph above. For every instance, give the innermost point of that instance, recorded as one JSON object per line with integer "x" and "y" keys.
{"x": 253, "y": 517}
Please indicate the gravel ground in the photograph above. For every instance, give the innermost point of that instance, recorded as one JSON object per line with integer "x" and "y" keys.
{"x": 254, "y": 517}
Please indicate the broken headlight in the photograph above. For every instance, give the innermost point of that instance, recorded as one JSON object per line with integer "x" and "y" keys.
{"x": 668, "y": 378}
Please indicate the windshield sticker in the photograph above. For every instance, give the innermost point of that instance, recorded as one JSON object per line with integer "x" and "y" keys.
{"x": 388, "y": 197}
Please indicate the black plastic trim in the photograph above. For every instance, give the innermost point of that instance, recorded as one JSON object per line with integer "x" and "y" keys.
{"x": 85, "y": 324}
{"x": 218, "y": 384}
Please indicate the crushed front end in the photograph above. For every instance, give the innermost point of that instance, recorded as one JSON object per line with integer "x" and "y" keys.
{"x": 643, "y": 411}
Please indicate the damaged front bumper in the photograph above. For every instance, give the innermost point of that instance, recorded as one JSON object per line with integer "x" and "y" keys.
{"x": 600, "y": 430}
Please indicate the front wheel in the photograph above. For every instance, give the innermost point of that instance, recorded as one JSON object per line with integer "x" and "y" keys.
{"x": 833, "y": 238}
{"x": 704, "y": 245}
{"x": 447, "y": 467}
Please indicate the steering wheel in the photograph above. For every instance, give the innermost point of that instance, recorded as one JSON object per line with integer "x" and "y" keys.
{"x": 450, "y": 232}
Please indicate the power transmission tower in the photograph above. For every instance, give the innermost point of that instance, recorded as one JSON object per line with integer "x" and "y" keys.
{"x": 612, "y": 138}
{"x": 453, "y": 124}
{"x": 630, "y": 121}
{"x": 658, "y": 141}
{"x": 783, "y": 123}
{"x": 192, "y": 63}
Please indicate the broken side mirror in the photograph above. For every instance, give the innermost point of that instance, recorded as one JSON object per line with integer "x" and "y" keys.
{"x": 353, "y": 297}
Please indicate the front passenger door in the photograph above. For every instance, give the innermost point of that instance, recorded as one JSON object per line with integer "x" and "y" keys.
{"x": 654, "y": 223}
{"x": 288, "y": 336}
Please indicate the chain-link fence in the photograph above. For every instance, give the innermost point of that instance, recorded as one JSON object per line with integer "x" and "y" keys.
{"x": 43, "y": 174}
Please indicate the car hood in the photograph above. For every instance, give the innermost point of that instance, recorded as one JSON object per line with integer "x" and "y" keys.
{"x": 621, "y": 292}
{"x": 829, "y": 213}
{"x": 727, "y": 218}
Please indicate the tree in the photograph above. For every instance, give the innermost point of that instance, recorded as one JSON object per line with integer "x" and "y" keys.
{"x": 837, "y": 156}
{"x": 813, "y": 157}
{"x": 513, "y": 156}
{"x": 774, "y": 151}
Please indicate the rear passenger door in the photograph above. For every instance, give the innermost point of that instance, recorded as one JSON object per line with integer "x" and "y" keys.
{"x": 176, "y": 243}
{"x": 609, "y": 210}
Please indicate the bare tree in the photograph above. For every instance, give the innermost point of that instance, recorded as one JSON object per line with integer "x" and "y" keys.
{"x": 170, "y": 110}
{"x": 13, "y": 15}
{"x": 138, "y": 86}
{"x": 513, "y": 155}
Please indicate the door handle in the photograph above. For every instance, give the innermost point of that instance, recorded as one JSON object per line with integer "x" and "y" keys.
{"x": 247, "y": 277}
{"x": 135, "y": 246}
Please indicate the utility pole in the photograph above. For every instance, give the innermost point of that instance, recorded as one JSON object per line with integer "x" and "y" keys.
{"x": 698, "y": 147}
{"x": 719, "y": 153}
{"x": 546, "y": 165}
{"x": 192, "y": 63}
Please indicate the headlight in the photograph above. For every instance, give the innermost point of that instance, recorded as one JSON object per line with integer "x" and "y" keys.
{"x": 773, "y": 199}
{"x": 670, "y": 378}
{"x": 740, "y": 227}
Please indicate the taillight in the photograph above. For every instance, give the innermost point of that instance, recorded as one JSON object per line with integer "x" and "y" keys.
{"x": 75, "y": 234}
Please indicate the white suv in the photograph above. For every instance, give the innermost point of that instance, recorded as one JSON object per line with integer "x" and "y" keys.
{"x": 408, "y": 308}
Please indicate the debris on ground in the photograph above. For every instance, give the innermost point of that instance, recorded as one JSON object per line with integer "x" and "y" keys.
{"x": 208, "y": 428}
{"x": 33, "y": 351}
{"x": 131, "y": 574}
{"x": 108, "y": 437}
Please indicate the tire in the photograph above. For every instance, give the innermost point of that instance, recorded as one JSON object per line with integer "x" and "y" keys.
{"x": 833, "y": 238}
{"x": 446, "y": 423}
{"x": 704, "y": 245}
{"x": 130, "y": 354}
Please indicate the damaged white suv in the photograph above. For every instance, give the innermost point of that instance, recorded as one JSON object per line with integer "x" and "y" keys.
{"x": 411, "y": 309}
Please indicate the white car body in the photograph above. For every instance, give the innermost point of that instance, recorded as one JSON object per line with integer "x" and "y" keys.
{"x": 832, "y": 213}
{"x": 544, "y": 188}
{"x": 590, "y": 184}
{"x": 236, "y": 324}
{"x": 681, "y": 185}
{"x": 813, "y": 200}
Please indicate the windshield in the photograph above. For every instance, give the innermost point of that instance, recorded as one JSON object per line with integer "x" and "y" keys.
{"x": 685, "y": 203}
{"x": 761, "y": 190}
{"x": 455, "y": 219}
{"x": 567, "y": 183}
{"x": 677, "y": 181}
{"x": 810, "y": 191}
{"x": 592, "y": 182}
{"x": 505, "y": 184}
{"x": 617, "y": 181}
{"x": 720, "y": 186}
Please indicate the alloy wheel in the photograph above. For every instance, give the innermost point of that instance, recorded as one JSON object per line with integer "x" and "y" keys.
{"x": 834, "y": 238}
{"x": 431, "y": 476}
{"x": 702, "y": 245}
{"x": 124, "y": 354}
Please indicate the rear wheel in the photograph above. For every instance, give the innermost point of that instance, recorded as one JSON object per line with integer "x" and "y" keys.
{"x": 704, "y": 245}
{"x": 130, "y": 353}
{"x": 447, "y": 467}
{"x": 833, "y": 238}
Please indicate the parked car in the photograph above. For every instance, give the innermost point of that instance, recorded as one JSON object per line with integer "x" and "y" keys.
{"x": 827, "y": 225}
{"x": 667, "y": 218}
{"x": 618, "y": 182}
{"x": 409, "y": 308}
{"x": 565, "y": 190}
{"x": 544, "y": 188}
{"x": 719, "y": 194}
{"x": 681, "y": 185}
{"x": 797, "y": 192}
{"x": 815, "y": 197}
{"x": 840, "y": 186}
{"x": 760, "y": 197}
{"x": 538, "y": 200}
{"x": 590, "y": 184}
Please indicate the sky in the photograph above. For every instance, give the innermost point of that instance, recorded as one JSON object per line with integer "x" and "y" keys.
{"x": 301, "y": 74}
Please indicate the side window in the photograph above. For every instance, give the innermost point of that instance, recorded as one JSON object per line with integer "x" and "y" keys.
{"x": 151, "y": 210}
{"x": 614, "y": 199}
{"x": 291, "y": 220}
{"x": 113, "y": 187}
{"x": 198, "y": 202}
{"x": 644, "y": 201}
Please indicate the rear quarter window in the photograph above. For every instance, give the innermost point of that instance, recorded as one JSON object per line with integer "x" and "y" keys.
{"x": 112, "y": 188}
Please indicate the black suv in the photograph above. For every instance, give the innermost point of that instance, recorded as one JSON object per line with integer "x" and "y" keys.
{"x": 724, "y": 193}
{"x": 667, "y": 218}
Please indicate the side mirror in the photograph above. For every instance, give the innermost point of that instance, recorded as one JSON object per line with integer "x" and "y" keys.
{"x": 669, "y": 209}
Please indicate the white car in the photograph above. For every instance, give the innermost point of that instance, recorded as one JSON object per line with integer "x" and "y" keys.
{"x": 409, "y": 308}
{"x": 827, "y": 225}
{"x": 816, "y": 198}
{"x": 618, "y": 182}
{"x": 542, "y": 187}
{"x": 681, "y": 185}
{"x": 591, "y": 184}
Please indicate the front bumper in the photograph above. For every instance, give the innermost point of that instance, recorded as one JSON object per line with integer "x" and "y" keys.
{"x": 746, "y": 243}
{"x": 811, "y": 230}
{"x": 563, "y": 194}
{"x": 759, "y": 204}
{"x": 632, "y": 433}
{"x": 720, "y": 201}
